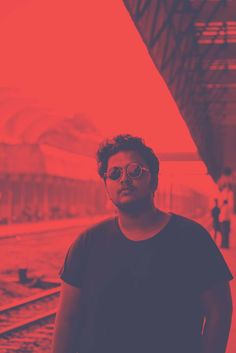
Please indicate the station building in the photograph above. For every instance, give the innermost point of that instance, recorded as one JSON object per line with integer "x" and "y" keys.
{"x": 40, "y": 182}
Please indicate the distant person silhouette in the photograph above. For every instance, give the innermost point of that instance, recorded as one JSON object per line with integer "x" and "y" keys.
{"x": 225, "y": 221}
{"x": 144, "y": 281}
{"x": 215, "y": 212}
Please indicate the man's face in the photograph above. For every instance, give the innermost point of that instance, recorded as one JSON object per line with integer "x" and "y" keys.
{"x": 128, "y": 191}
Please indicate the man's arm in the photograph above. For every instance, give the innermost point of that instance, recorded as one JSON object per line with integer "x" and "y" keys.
{"x": 66, "y": 325}
{"x": 217, "y": 304}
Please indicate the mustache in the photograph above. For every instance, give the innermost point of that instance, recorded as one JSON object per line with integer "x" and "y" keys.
{"x": 127, "y": 187}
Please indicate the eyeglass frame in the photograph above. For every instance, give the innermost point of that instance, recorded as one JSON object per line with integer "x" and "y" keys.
{"x": 105, "y": 175}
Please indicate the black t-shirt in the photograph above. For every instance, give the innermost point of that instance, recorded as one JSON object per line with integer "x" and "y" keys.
{"x": 143, "y": 296}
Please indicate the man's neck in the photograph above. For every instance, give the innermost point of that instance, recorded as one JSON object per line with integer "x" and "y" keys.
{"x": 143, "y": 226}
{"x": 133, "y": 221}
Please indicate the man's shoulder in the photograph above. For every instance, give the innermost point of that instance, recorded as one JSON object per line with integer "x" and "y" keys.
{"x": 190, "y": 225}
{"x": 102, "y": 226}
{"x": 95, "y": 230}
{"x": 191, "y": 235}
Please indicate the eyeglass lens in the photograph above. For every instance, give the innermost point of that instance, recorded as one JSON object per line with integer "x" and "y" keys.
{"x": 133, "y": 170}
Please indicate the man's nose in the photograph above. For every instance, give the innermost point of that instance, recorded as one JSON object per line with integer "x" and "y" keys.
{"x": 125, "y": 177}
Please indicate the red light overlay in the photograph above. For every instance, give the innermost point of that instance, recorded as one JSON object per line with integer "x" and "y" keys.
{"x": 71, "y": 73}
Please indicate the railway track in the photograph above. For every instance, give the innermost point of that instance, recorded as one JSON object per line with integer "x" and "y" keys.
{"x": 26, "y": 313}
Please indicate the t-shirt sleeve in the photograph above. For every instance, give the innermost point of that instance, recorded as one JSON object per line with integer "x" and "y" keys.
{"x": 209, "y": 265}
{"x": 74, "y": 264}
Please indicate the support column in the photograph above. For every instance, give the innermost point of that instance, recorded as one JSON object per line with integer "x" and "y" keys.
{"x": 16, "y": 197}
{"x": 38, "y": 197}
{"x": 28, "y": 209}
{"x": 5, "y": 200}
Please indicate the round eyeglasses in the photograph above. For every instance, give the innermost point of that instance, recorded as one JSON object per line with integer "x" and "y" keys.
{"x": 133, "y": 170}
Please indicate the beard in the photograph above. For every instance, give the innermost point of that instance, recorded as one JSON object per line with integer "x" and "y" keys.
{"x": 135, "y": 206}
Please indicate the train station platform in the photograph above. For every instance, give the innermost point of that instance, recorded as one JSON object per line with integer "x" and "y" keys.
{"x": 20, "y": 229}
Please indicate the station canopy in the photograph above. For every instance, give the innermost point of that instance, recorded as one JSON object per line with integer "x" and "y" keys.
{"x": 193, "y": 45}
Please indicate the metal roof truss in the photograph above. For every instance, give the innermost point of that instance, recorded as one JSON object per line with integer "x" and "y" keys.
{"x": 193, "y": 45}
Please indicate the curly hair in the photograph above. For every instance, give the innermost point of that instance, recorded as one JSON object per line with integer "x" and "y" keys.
{"x": 126, "y": 142}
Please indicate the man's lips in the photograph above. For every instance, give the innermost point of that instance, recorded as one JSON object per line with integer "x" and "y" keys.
{"x": 128, "y": 189}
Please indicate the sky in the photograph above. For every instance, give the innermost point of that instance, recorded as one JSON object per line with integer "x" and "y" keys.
{"x": 86, "y": 57}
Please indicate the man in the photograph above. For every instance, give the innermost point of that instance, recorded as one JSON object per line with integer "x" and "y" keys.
{"x": 215, "y": 212}
{"x": 225, "y": 216}
{"x": 145, "y": 281}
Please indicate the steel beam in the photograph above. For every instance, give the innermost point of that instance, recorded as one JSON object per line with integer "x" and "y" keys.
{"x": 169, "y": 30}
{"x": 227, "y": 11}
